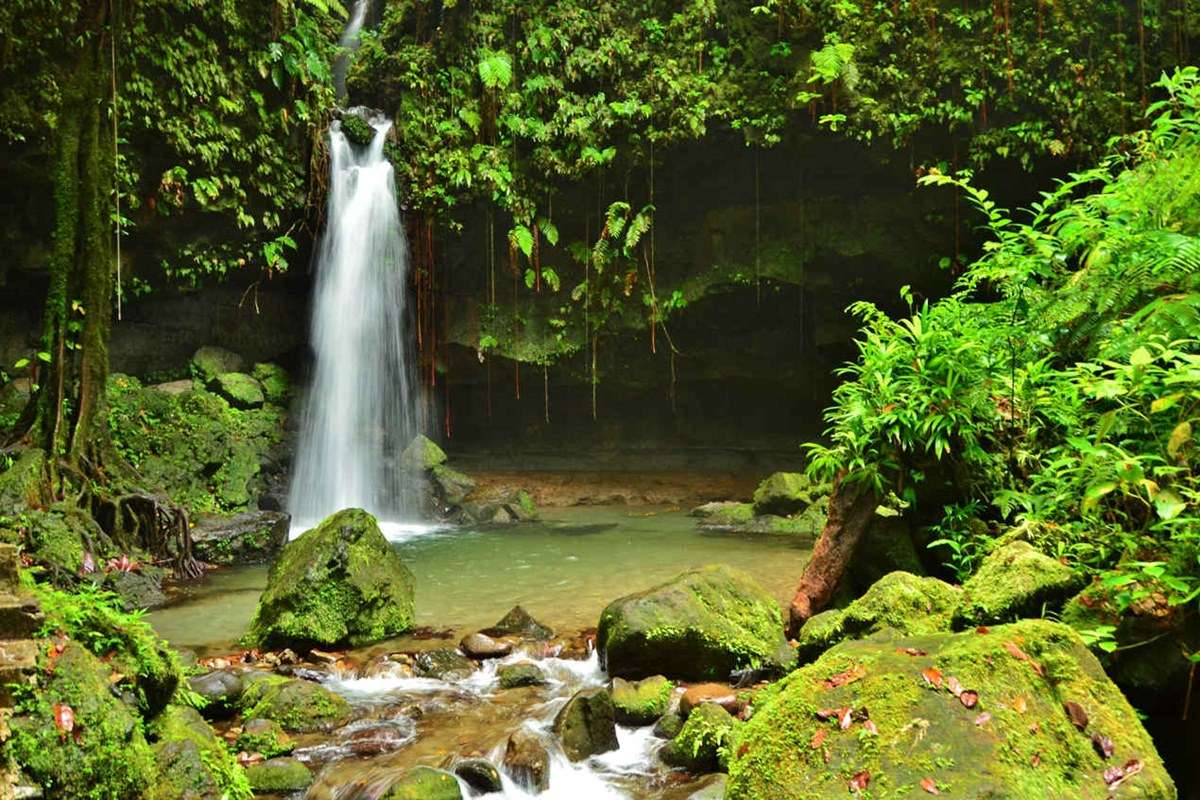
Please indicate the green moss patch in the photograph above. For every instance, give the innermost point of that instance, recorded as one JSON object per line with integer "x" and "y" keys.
{"x": 1014, "y": 581}
{"x": 299, "y": 706}
{"x": 703, "y": 743}
{"x": 641, "y": 702}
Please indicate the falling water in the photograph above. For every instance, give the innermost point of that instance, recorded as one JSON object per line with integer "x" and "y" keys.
{"x": 359, "y": 413}
{"x": 349, "y": 43}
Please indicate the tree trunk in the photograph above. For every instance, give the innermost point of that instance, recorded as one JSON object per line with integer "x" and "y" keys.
{"x": 851, "y": 509}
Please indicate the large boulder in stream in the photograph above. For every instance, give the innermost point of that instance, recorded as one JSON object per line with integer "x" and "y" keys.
{"x": 1017, "y": 711}
{"x": 297, "y": 705}
{"x": 340, "y": 582}
{"x": 701, "y": 625}
{"x": 586, "y": 725}
{"x": 424, "y": 783}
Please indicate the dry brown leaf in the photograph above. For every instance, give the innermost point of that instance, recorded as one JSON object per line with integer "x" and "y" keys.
{"x": 932, "y": 676}
{"x": 969, "y": 698}
{"x": 818, "y": 738}
{"x": 1076, "y": 714}
{"x": 843, "y": 678}
{"x": 859, "y": 782}
{"x": 929, "y": 786}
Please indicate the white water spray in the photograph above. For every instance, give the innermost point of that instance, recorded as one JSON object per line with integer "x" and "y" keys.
{"x": 360, "y": 410}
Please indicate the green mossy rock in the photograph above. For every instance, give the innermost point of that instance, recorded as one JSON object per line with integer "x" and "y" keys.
{"x": 787, "y": 493}
{"x": 208, "y": 362}
{"x": 1015, "y": 581}
{"x": 340, "y": 582}
{"x": 724, "y": 514}
{"x": 239, "y": 389}
{"x": 641, "y": 702}
{"x": 109, "y": 760}
{"x": 422, "y": 454}
{"x": 192, "y": 762}
{"x": 357, "y": 130}
{"x": 513, "y": 676}
{"x": 248, "y": 538}
{"x": 899, "y": 601}
{"x": 275, "y": 382}
{"x": 424, "y": 783}
{"x": 586, "y": 725}
{"x": 703, "y": 742}
{"x": 266, "y": 737}
{"x": 518, "y": 622}
{"x": 668, "y": 726}
{"x": 1026, "y": 748}
{"x": 279, "y": 776}
{"x": 299, "y": 706}
{"x": 452, "y": 486}
{"x": 22, "y": 486}
{"x": 444, "y": 663}
{"x": 701, "y": 625}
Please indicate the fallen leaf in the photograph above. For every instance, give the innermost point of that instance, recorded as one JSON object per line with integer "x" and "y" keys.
{"x": 984, "y": 629}
{"x": 845, "y": 717}
{"x": 870, "y": 726}
{"x": 843, "y": 678}
{"x": 859, "y": 782}
{"x": 826, "y": 714}
{"x": 1017, "y": 652}
{"x": 745, "y": 748}
{"x": 983, "y": 719}
{"x": 1103, "y": 744}
{"x": 969, "y": 698}
{"x": 929, "y": 786}
{"x": 1019, "y": 705}
{"x": 818, "y": 738}
{"x": 932, "y": 676}
{"x": 1113, "y": 775}
{"x": 911, "y": 651}
{"x": 954, "y": 686}
{"x": 1076, "y": 714}
{"x": 1037, "y": 759}
{"x": 1132, "y": 767}
{"x": 64, "y": 719}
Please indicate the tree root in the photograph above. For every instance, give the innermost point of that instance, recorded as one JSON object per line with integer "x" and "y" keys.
{"x": 152, "y": 523}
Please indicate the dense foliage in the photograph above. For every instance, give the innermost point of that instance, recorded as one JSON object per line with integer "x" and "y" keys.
{"x": 1059, "y": 386}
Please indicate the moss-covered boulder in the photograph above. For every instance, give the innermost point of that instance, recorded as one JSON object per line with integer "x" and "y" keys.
{"x": 424, "y": 783}
{"x": 265, "y": 737}
{"x": 278, "y": 776}
{"x": 1021, "y": 711}
{"x": 22, "y": 486}
{"x": 452, "y": 486}
{"x": 499, "y": 506}
{"x": 248, "y": 538}
{"x": 702, "y": 744}
{"x": 700, "y": 625}
{"x": 518, "y": 622}
{"x": 1015, "y": 581}
{"x": 525, "y": 673}
{"x": 641, "y": 702}
{"x": 192, "y": 762}
{"x": 905, "y": 603}
{"x": 443, "y": 663}
{"x": 275, "y": 382}
{"x": 208, "y": 362}
{"x": 299, "y": 706}
{"x": 340, "y": 582}
{"x": 422, "y": 454}
{"x": 586, "y": 725}
{"x": 357, "y": 129}
{"x": 724, "y": 513}
{"x": 787, "y": 493}
{"x": 239, "y": 389}
{"x": 74, "y": 732}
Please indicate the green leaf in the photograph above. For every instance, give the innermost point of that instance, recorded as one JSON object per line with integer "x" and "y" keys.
{"x": 1179, "y": 437}
{"x": 1096, "y": 492}
{"x": 522, "y": 238}
{"x": 1168, "y": 504}
{"x": 1141, "y": 357}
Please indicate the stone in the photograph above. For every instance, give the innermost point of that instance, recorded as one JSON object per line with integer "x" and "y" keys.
{"x": 886, "y": 546}
{"x": 480, "y": 774}
{"x": 525, "y": 673}
{"x": 499, "y": 506}
{"x": 266, "y": 737}
{"x": 275, "y": 382}
{"x": 222, "y": 689}
{"x": 278, "y": 776}
{"x": 22, "y": 486}
{"x": 713, "y": 788}
{"x": 1013, "y": 581}
{"x": 1010, "y": 737}
{"x": 786, "y": 493}
{"x": 340, "y": 582}
{"x": 701, "y": 625}
{"x": 518, "y": 622}
{"x": 173, "y": 388}
{"x": 251, "y": 537}
{"x": 298, "y": 705}
{"x": 422, "y": 454}
{"x": 724, "y": 513}
{"x": 444, "y": 664}
{"x": 526, "y": 760}
{"x": 239, "y": 389}
{"x": 721, "y": 694}
{"x": 482, "y": 646}
{"x": 668, "y": 726}
{"x": 137, "y": 590}
{"x": 424, "y": 783}
{"x": 451, "y": 485}
{"x": 586, "y": 725}
{"x": 900, "y": 601}
{"x": 192, "y": 761}
{"x": 208, "y": 362}
{"x": 641, "y": 702}
{"x": 703, "y": 742}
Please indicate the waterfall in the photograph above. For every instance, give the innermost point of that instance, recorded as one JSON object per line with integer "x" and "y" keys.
{"x": 360, "y": 410}
{"x": 349, "y": 43}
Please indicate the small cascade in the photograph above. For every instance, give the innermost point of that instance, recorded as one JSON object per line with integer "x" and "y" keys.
{"x": 360, "y": 409}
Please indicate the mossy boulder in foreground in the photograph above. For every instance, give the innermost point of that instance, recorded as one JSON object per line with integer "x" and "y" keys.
{"x": 298, "y": 705}
{"x": 340, "y": 582}
{"x": 424, "y": 783}
{"x": 641, "y": 702}
{"x": 1020, "y": 711}
{"x": 1014, "y": 581}
{"x": 702, "y": 745}
{"x": 701, "y": 625}
{"x": 193, "y": 762}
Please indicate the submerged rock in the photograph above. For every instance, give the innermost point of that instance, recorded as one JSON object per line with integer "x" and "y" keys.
{"x": 700, "y": 625}
{"x": 340, "y": 582}
{"x": 480, "y": 645}
{"x": 905, "y": 603}
{"x": 513, "y": 676}
{"x": 444, "y": 664}
{"x": 298, "y": 705}
{"x": 641, "y": 702}
{"x": 518, "y": 622}
{"x": 278, "y": 776}
{"x": 526, "y": 760}
{"x": 586, "y": 725}
{"x": 480, "y": 774}
{"x": 247, "y": 538}
{"x": 424, "y": 783}
{"x": 1008, "y": 713}
{"x": 192, "y": 761}
{"x": 1013, "y": 581}
{"x": 702, "y": 744}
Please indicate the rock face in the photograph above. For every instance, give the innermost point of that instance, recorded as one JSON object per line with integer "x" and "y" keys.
{"x": 1013, "y": 712}
{"x": 899, "y": 601}
{"x": 1015, "y": 580}
{"x": 641, "y": 702}
{"x": 248, "y": 538}
{"x": 298, "y": 705}
{"x": 700, "y": 625}
{"x": 586, "y": 725}
{"x": 526, "y": 760}
{"x": 340, "y": 582}
{"x": 703, "y": 743}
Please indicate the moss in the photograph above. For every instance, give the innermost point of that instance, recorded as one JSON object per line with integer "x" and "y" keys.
{"x": 1027, "y": 747}
{"x": 209, "y": 362}
{"x": 422, "y": 454}
{"x": 339, "y": 582}
{"x": 453, "y": 486}
{"x": 512, "y": 676}
{"x": 357, "y": 130}
{"x": 1013, "y": 581}
{"x": 264, "y": 736}
{"x": 279, "y": 776}
{"x": 239, "y": 389}
{"x": 108, "y": 759}
{"x": 724, "y": 513}
{"x": 703, "y": 742}
{"x": 786, "y": 493}
{"x": 298, "y": 705}
{"x": 424, "y": 783}
{"x": 275, "y": 382}
{"x": 586, "y": 725}
{"x": 22, "y": 485}
{"x": 905, "y": 603}
{"x": 192, "y": 761}
{"x": 641, "y": 702}
{"x": 700, "y": 625}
